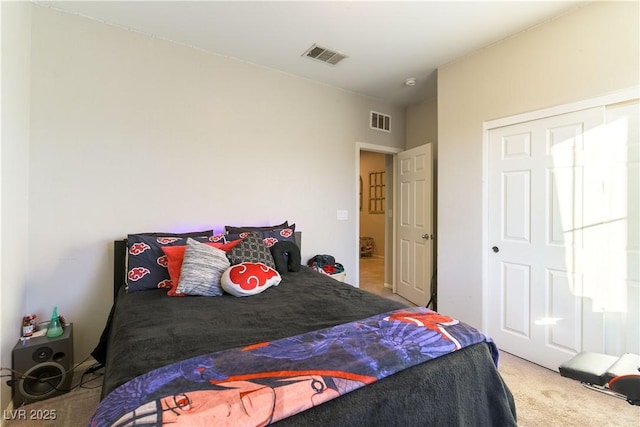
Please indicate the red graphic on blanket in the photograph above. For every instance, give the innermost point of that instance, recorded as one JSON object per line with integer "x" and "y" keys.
{"x": 250, "y": 276}
{"x": 286, "y": 232}
{"x": 163, "y": 261}
{"x": 430, "y": 320}
{"x": 138, "y": 248}
{"x": 270, "y": 241}
{"x": 166, "y": 240}
{"x": 165, "y": 284}
{"x": 137, "y": 273}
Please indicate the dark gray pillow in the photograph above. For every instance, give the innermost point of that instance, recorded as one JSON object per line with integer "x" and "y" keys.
{"x": 286, "y": 256}
{"x": 202, "y": 269}
{"x": 251, "y": 249}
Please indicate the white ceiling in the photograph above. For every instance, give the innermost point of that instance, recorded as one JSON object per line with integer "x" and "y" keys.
{"x": 386, "y": 42}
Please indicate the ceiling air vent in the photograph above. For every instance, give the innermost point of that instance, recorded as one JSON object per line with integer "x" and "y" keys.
{"x": 324, "y": 55}
{"x": 380, "y": 121}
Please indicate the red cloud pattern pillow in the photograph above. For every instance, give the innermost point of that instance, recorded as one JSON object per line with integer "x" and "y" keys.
{"x": 249, "y": 278}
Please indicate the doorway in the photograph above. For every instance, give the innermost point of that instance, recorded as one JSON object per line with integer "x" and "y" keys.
{"x": 383, "y": 273}
{"x": 407, "y": 218}
{"x": 376, "y": 172}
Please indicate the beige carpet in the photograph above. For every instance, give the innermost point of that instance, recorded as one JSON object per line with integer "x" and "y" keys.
{"x": 372, "y": 278}
{"x": 544, "y": 398}
{"x": 72, "y": 409}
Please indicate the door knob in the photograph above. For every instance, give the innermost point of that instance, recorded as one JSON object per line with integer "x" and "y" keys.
{"x": 427, "y": 236}
{"x": 495, "y": 249}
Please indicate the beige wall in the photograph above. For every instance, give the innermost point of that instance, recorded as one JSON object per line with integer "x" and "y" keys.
{"x": 422, "y": 124}
{"x": 14, "y": 177}
{"x": 130, "y": 133}
{"x": 589, "y": 52}
{"x": 422, "y": 128}
{"x": 372, "y": 225}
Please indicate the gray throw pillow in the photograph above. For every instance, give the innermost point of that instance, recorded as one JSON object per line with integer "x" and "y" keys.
{"x": 251, "y": 249}
{"x": 202, "y": 268}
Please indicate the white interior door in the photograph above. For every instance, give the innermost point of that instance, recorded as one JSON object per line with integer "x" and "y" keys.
{"x": 414, "y": 221}
{"x": 550, "y": 272}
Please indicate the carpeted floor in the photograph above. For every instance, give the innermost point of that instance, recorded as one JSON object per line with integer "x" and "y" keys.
{"x": 72, "y": 409}
{"x": 372, "y": 278}
{"x": 544, "y": 398}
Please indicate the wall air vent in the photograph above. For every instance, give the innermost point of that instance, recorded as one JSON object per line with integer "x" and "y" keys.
{"x": 380, "y": 121}
{"x": 324, "y": 55}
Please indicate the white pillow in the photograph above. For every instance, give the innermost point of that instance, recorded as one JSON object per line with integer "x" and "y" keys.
{"x": 201, "y": 270}
{"x": 249, "y": 278}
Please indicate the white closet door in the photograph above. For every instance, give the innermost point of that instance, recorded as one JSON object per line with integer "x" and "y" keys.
{"x": 551, "y": 270}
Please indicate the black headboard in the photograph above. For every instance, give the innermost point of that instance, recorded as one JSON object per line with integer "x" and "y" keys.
{"x": 119, "y": 265}
{"x": 120, "y": 262}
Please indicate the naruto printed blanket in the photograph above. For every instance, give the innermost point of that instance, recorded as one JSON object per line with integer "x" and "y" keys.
{"x": 266, "y": 382}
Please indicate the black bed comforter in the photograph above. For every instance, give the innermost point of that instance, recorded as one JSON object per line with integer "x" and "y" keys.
{"x": 148, "y": 330}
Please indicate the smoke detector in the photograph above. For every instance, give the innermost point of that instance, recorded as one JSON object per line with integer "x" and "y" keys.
{"x": 411, "y": 81}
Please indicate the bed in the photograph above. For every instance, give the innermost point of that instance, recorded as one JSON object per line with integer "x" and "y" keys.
{"x": 147, "y": 332}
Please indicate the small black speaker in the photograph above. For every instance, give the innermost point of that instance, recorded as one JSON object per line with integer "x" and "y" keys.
{"x": 42, "y": 367}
